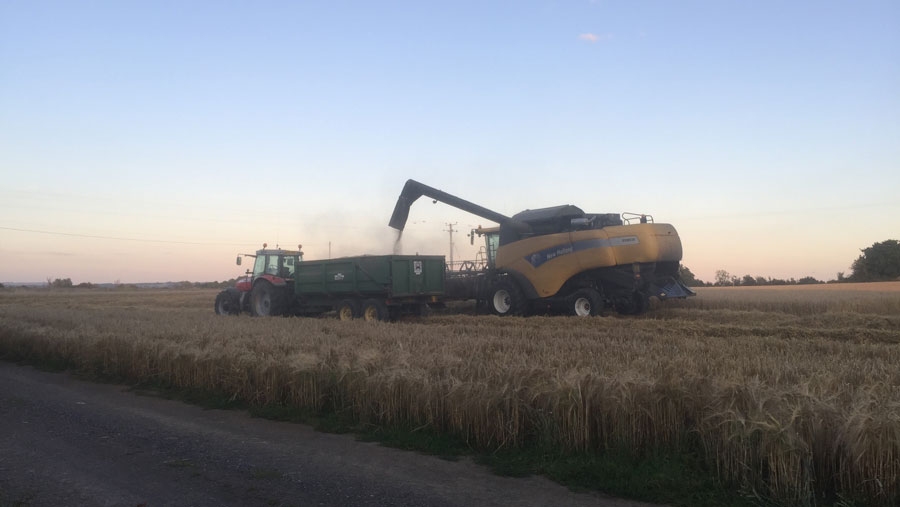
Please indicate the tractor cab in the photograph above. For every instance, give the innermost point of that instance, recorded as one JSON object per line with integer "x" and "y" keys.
{"x": 264, "y": 289}
{"x": 275, "y": 265}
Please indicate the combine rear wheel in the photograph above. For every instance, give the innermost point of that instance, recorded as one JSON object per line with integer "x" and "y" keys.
{"x": 228, "y": 302}
{"x": 585, "y": 303}
{"x": 375, "y": 309}
{"x": 634, "y": 304}
{"x": 266, "y": 300}
{"x": 505, "y": 299}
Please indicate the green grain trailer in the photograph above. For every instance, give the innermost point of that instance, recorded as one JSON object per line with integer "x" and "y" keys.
{"x": 372, "y": 287}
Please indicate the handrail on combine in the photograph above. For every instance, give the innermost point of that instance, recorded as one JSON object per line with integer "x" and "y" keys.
{"x": 643, "y": 218}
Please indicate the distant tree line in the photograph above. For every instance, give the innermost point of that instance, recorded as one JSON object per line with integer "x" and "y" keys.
{"x": 726, "y": 279}
{"x": 879, "y": 262}
{"x": 66, "y": 283}
{"x": 205, "y": 285}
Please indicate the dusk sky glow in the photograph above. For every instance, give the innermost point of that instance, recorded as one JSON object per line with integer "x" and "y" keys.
{"x": 152, "y": 141}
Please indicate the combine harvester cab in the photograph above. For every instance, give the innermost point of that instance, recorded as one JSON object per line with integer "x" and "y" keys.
{"x": 563, "y": 259}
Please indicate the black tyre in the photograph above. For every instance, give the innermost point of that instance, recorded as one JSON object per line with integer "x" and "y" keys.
{"x": 375, "y": 309}
{"x": 585, "y": 303}
{"x": 266, "y": 300}
{"x": 634, "y": 304}
{"x": 348, "y": 309}
{"x": 228, "y": 302}
{"x": 505, "y": 298}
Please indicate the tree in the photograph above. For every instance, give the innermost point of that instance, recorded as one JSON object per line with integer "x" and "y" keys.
{"x": 881, "y": 261}
{"x": 723, "y": 277}
{"x": 807, "y": 280}
{"x": 60, "y": 283}
{"x": 688, "y": 278}
{"x": 748, "y": 280}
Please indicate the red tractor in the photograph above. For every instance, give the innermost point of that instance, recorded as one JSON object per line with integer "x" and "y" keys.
{"x": 266, "y": 290}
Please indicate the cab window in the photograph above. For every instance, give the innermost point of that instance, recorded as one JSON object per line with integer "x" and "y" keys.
{"x": 272, "y": 265}
{"x": 260, "y": 265}
{"x": 493, "y": 242}
{"x": 289, "y": 265}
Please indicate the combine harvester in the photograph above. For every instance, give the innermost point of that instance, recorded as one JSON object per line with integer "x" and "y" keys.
{"x": 557, "y": 259}
{"x": 561, "y": 258}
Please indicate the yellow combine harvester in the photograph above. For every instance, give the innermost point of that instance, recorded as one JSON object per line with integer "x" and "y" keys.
{"x": 561, "y": 258}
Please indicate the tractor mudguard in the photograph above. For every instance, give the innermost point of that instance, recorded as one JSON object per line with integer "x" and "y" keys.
{"x": 274, "y": 280}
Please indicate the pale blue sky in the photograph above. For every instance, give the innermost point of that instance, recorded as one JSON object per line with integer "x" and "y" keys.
{"x": 768, "y": 133}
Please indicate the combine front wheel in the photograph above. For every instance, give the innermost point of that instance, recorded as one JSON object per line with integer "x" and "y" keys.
{"x": 505, "y": 298}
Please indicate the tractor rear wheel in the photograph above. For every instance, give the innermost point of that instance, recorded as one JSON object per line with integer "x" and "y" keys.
{"x": 585, "y": 303}
{"x": 505, "y": 298}
{"x": 228, "y": 302}
{"x": 266, "y": 300}
{"x": 348, "y": 309}
{"x": 375, "y": 309}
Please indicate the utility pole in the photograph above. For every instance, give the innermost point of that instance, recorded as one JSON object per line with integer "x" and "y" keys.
{"x": 451, "y": 231}
{"x": 329, "y": 249}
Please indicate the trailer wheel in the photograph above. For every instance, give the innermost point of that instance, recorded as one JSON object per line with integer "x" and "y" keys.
{"x": 375, "y": 309}
{"x": 266, "y": 300}
{"x": 585, "y": 303}
{"x": 348, "y": 309}
{"x": 505, "y": 299}
{"x": 228, "y": 302}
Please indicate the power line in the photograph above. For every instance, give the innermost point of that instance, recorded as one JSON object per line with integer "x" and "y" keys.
{"x": 451, "y": 230}
{"x": 55, "y": 233}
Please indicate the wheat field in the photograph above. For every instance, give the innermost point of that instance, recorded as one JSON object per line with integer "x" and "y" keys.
{"x": 792, "y": 393}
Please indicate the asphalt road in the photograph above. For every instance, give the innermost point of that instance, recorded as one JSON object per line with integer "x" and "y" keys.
{"x": 68, "y": 442}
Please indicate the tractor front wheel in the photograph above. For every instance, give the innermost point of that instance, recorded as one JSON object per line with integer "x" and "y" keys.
{"x": 228, "y": 302}
{"x": 266, "y": 300}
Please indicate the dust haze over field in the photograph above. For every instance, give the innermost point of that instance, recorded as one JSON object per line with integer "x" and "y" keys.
{"x": 788, "y": 392}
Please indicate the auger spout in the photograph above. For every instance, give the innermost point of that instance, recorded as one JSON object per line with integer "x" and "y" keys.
{"x": 412, "y": 190}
